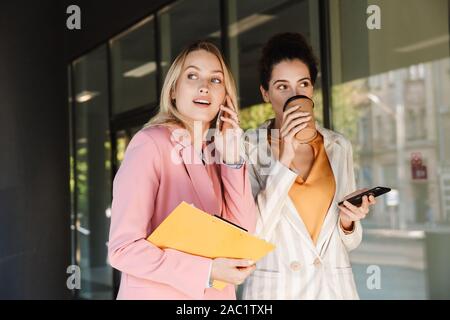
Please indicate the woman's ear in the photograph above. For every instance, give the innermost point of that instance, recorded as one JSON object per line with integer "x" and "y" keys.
{"x": 264, "y": 94}
{"x": 172, "y": 97}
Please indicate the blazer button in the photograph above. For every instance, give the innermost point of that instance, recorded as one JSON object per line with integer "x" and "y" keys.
{"x": 295, "y": 265}
{"x": 317, "y": 262}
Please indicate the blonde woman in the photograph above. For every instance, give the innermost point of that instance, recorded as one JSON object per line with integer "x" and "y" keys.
{"x": 168, "y": 162}
{"x": 297, "y": 194}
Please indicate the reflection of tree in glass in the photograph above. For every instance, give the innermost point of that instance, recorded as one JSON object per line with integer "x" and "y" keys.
{"x": 81, "y": 174}
{"x": 107, "y": 153}
{"x": 72, "y": 178}
{"x": 255, "y": 115}
{"x": 318, "y": 106}
{"x": 349, "y": 104}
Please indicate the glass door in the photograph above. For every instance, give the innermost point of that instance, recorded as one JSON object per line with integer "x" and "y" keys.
{"x": 122, "y": 138}
{"x": 91, "y": 175}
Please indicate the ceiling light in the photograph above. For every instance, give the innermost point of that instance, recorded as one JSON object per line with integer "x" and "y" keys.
{"x": 85, "y": 96}
{"x": 245, "y": 24}
{"x": 143, "y": 70}
{"x": 424, "y": 44}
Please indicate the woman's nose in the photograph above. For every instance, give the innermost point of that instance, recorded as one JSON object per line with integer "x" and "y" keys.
{"x": 204, "y": 88}
{"x": 300, "y": 91}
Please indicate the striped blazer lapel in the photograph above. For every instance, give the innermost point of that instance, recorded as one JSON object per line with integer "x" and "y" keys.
{"x": 299, "y": 226}
{"x": 335, "y": 153}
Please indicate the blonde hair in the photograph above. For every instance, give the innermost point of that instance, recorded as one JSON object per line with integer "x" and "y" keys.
{"x": 168, "y": 113}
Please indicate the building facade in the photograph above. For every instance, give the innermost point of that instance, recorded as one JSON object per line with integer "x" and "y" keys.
{"x": 386, "y": 88}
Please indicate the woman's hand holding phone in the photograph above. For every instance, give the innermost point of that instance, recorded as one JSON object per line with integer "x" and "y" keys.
{"x": 228, "y": 140}
{"x": 350, "y": 213}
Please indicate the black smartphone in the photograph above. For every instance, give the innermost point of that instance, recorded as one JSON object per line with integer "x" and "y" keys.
{"x": 357, "y": 199}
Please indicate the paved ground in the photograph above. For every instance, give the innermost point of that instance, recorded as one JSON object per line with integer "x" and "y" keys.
{"x": 396, "y": 283}
{"x": 399, "y": 255}
{"x": 402, "y": 266}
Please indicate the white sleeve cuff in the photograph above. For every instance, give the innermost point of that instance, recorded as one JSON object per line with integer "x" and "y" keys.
{"x": 236, "y": 165}
{"x": 209, "y": 280}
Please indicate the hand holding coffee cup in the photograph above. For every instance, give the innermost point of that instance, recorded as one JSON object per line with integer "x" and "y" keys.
{"x": 297, "y": 117}
{"x": 304, "y": 104}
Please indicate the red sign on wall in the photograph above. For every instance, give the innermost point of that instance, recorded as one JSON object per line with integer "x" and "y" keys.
{"x": 418, "y": 169}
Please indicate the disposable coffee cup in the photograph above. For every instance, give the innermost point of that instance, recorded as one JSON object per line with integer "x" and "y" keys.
{"x": 307, "y": 134}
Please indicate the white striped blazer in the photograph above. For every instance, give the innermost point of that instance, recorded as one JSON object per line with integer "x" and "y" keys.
{"x": 298, "y": 269}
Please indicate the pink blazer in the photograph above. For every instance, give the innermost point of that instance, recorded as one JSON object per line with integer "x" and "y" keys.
{"x": 153, "y": 179}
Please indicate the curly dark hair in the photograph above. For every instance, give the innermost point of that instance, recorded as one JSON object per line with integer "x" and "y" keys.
{"x": 286, "y": 46}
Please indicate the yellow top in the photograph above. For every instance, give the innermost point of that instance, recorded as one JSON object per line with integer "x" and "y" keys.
{"x": 312, "y": 198}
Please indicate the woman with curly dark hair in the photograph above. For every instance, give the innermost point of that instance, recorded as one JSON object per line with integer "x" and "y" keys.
{"x": 297, "y": 197}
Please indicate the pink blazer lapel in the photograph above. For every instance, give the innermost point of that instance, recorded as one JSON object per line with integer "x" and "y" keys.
{"x": 214, "y": 175}
{"x": 204, "y": 179}
{"x": 206, "y": 187}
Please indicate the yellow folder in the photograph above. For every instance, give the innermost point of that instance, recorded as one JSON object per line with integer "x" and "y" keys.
{"x": 194, "y": 231}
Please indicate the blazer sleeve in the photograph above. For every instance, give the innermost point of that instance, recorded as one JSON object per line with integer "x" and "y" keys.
{"x": 135, "y": 189}
{"x": 271, "y": 193}
{"x": 238, "y": 205}
{"x": 351, "y": 240}
{"x": 271, "y": 198}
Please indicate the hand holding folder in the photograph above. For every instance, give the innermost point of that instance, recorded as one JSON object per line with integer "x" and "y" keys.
{"x": 191, "y": 230}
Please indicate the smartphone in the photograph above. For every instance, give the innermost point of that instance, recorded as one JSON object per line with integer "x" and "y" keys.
{"x": 222, "y": 125}
{"x": 357, "y": 199}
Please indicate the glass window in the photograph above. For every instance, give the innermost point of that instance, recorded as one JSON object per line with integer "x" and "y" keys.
{"x": 390, "y": 97}
{"x": 123, "y": 138}
{"x": 71, "y": 171}
{"x": 133, "y": 67}
{"x": 186, "y": 21}
{"x": 92, "y": 174}
{"x": 251, "y": 24}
